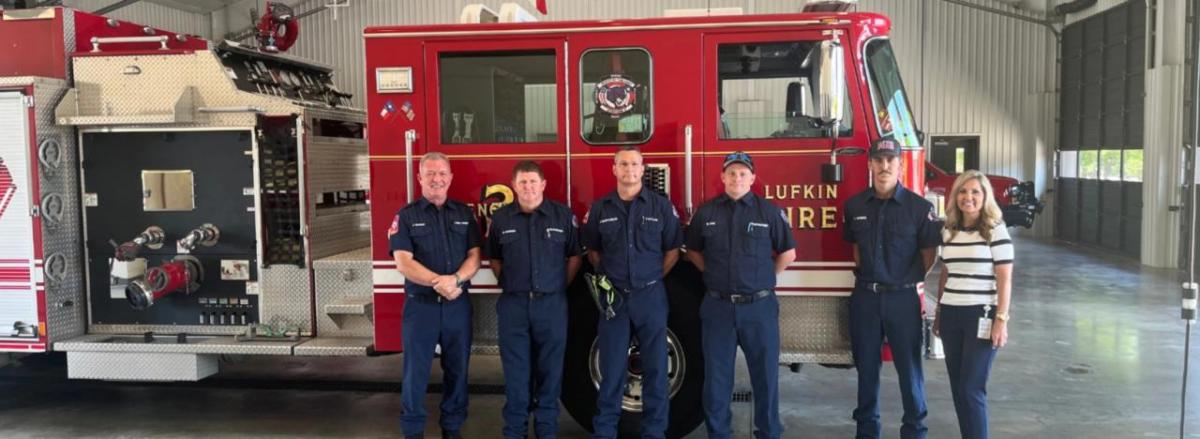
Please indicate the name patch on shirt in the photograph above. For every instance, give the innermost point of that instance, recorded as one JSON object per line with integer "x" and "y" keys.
{"x": 607, "y": 220}
{"x": 860, "y": 218}
{"x": 710, "y": 223}
{"x": 551, "y": 229}
{"x": 651, "y": 219}
{"x": 418, "y": 225}
{"x": 505, "y": 232}
{"x": 461, "y": 223}
{"x": 759, "y": 225}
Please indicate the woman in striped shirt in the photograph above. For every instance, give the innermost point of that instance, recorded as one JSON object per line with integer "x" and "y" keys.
{"x": 974, "y": 293}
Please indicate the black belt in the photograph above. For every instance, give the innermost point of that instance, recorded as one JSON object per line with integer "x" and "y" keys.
{"x": 531, "y": 295}
{"x": 883, "y": 288}
{"x": 738, "y": 299}
{"x": 427, "y": 298}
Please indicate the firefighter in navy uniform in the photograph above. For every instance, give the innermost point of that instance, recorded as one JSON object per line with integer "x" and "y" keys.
{"x": 633, "y": 237}
{"x": 435, "y": 242}
{"x": 533, "y": 245}
{"x": 895, "y": 234}
{"x": 741, "y": 242}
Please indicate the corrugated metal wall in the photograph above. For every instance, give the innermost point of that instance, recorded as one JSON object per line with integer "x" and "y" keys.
{"x": 154, "y": 15}
{"x": 970, "y": 72}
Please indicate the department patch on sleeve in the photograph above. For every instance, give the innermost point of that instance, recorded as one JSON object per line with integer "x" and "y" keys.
{"x": 933, "y": 216}
{"x": 585, "y": 216}
{"x": 395, "y": 227}
{"x": 783, "y": 214}
{"x": 674, "y": 211}
{"x": 574, "y": 222}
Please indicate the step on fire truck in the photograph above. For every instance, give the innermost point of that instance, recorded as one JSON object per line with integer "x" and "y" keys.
{"x": 224, "y": 200}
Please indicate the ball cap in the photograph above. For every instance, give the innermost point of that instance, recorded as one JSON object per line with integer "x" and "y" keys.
{"x": 738, "y": 157}
{"x": 884, "y": 147}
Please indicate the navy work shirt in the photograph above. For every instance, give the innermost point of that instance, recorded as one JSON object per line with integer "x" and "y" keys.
{"x": 739, "y": 240}
{"x": 632, "y": 241}
{"x": 890, "y": 234}
{"x": 533, "y": 247}
{"x": 438, "y": 238}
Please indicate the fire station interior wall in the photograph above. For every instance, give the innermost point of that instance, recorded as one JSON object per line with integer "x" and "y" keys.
{"x": 1101, "y": 135}
{"x": 1162, "y": 125}
{"x": 154, "y": 15}
{"x": 969, "y": 72}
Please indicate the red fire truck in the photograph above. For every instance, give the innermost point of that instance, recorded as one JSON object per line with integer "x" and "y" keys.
{"x": 805, "y": 94}
{"x": 227, "y": 201}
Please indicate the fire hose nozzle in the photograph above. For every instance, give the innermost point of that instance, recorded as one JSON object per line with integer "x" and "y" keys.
{"x": 206, "y": 235}
{"x": 151, "y": 238}
{"x": 183, "y": 274}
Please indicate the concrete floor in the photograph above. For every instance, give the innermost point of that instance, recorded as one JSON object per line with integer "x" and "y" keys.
{"x": 1096, "y": 351}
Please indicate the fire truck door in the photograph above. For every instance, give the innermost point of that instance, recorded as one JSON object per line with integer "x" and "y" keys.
{"x": 497, "y": 103}
{"x": 19, "y": 320}
{"x": 762, "y": 94}
{"x": 638, "y": 88}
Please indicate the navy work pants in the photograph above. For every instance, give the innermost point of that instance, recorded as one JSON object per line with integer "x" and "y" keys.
{"x": 428, "y": 323}
{"x": 533, "y": 340}
{"x": 644, "y": 316}
{"x": 968, "y": 361}
{"x": 895, "y": 315}
{"x": 755, "y": 327}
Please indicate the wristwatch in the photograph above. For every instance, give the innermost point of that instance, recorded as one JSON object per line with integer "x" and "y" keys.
{"x": 1002, "y": 316}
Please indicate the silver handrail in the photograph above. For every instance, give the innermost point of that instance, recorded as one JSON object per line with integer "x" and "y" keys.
{"x": 410, "y": 137}
{"x": 160, "y": 39}
{"x": 687, "y": 169}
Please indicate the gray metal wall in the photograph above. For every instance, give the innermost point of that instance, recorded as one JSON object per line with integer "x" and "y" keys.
{"x": 151, "y": 14}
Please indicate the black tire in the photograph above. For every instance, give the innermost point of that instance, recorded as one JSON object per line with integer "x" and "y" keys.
{"x": 579, "y": 391}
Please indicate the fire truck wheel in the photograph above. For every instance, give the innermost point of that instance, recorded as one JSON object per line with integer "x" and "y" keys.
{"x": 685, "y": 376}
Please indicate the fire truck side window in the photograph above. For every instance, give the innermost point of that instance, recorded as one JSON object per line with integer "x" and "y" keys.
{"x": 498, "y": 97}
{"x": 615, "y": 90}
{"x": 893, "y": 116}
{"x": 769, "y": 90}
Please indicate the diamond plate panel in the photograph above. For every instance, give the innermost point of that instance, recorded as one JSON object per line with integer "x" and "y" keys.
{"x": 66, "y": 314}
{"x": 338, "y": 279}
{"x": 337, "y": 347}
{"x": 68, "y": 23}
{"x": 108, "y": 96}
{"x": 486, "y": 332}
{"x": 167, "y": 345}
{"x": 814, "y": 327}
{"x": 120, "y": 366}
{"x": 167, "y": 329}
{"x": 286, "y": 297}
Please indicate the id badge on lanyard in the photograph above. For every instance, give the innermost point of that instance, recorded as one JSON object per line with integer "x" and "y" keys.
{"x": 984, "y": 330}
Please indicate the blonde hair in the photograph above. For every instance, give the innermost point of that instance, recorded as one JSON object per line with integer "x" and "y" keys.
{"x": 989, "y": 215}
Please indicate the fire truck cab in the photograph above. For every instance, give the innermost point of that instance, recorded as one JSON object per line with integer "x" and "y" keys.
{"x": 805, "y": 94}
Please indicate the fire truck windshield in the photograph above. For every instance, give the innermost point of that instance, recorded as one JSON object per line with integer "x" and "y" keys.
{"x": 770, "y": 90}
{"x": 893, "y": 115}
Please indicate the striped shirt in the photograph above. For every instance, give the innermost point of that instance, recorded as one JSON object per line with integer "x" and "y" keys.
{"x": 971, "y": 263}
